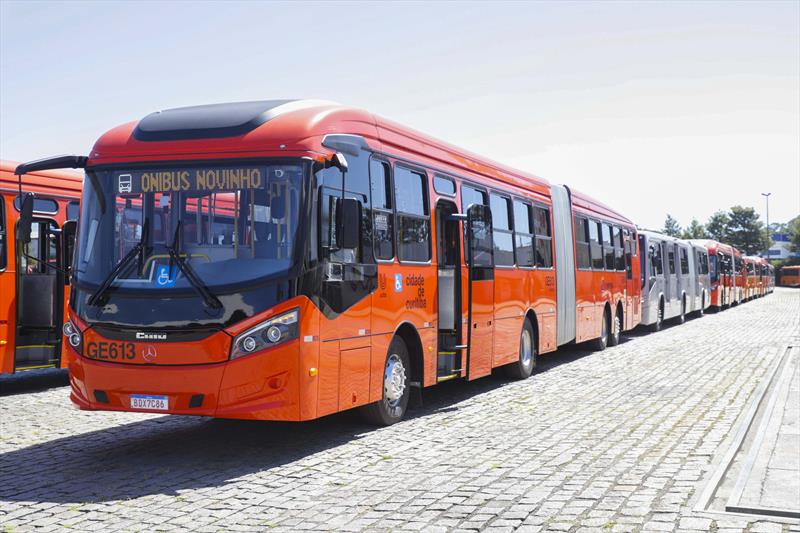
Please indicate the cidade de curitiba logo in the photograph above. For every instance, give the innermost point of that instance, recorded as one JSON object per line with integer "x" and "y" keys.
{"x": 143, "y": 336}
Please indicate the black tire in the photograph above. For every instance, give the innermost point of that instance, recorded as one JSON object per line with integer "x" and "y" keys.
{"x": 682, "y": 316}
{"x": 523, "y": 367}
{"x": 388, "y": 410}
{"x": 616, "y": 329}
{"x": 656, "y": 326}
{"x": 600, "y": 343}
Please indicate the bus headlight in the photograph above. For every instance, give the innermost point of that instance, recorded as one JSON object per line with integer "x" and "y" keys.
{"x": 73, "y": 335}
{"x": 267, "y": 334}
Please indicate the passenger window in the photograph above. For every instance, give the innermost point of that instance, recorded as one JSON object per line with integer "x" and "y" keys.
{"x": 619, "y": 257}
{"x": 382, "y": 216}
{"x": 658, "y": 259}
{"x": 470, "y": 196}
{"x": 684, "y": 261}
{"x": 596, "y": 248}
{"x": 544, "y": 241}
{"x": 413, "y": 221}
{"x": 503, "y": 236}
{"x": 608, "y": 247}
{"x": 671, "y": 258}
{"x": 582, "y": 253}
{"x": 444, "y": 186}
{"x": 523, "y": 236}
{"x": 2, "y": 233}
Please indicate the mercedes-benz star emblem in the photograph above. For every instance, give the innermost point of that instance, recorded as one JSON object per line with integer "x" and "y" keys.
{"x": 149, "y": 354}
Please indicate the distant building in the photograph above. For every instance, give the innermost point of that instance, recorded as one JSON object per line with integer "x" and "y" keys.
{"x": 781, "y": 247}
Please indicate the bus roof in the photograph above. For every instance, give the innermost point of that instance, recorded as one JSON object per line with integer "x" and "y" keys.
{"x": 280, "y": 127}
{"x": 59, "y": 183}
{"x": 713, "y": 246}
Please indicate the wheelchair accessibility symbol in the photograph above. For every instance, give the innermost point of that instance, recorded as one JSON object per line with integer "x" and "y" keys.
{"x": 164, "y": 278}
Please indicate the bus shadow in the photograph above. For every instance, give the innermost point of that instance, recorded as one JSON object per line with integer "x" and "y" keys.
{"x": 33, "y": 381}
{"x": 169, "y": 454}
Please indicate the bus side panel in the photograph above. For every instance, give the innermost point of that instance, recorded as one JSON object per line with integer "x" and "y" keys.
{"x": 509, "y": 311}
{"x": 564, "y": 243}
{"x": 8, "y": 291}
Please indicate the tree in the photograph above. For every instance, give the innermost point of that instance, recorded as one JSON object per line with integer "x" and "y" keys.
{"x": 671, "y": 227}
{"x": 745, "y": 231}
{"x": 793, "y": 229}
{"x": 717, "y": 226}
{"x": 695, "y": 230}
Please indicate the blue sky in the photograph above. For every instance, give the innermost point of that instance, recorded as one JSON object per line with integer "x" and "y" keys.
{"x": 679, "y": 107}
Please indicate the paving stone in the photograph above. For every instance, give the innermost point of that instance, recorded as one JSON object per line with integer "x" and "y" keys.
{"x": 617, "y": 440}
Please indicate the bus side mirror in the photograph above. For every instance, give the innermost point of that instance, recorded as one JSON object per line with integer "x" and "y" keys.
{"x": 337, "y": 160}
{"x": 68, "y": 231}
{"x": 25, "y": 219}
{"x": 348, "y": 216}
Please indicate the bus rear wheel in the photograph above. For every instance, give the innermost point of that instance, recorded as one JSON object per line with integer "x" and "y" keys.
{"x": 523, "y": 367}
{"x": 392, "y": 406}
{"x": 600, "y": 343}
{"x": 656, "y": 326}
{"x": 616, "y": 329}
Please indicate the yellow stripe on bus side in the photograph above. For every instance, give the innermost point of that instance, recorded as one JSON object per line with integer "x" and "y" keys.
{"x": 37, "y": 346}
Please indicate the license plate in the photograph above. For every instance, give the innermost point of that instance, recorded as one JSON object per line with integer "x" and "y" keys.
{"x": 144, "y": 401}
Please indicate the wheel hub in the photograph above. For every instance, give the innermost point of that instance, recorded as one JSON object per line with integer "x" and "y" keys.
{"x": 526, "y": 348}
{"x": 394, "y": 379}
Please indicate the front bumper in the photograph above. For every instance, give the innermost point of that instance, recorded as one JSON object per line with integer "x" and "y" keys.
{"x": 262, "y": 386}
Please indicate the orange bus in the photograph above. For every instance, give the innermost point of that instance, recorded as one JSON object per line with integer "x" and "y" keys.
{"x": 284, "y": 260}
{"x": 33, "y": 285}
{"x": 790, "y": 276}
{"x": 721, "y": 269}
{"x": 739, "y": 278}
{"x": 770, "y": 278}
{"x": 752, "y": 267}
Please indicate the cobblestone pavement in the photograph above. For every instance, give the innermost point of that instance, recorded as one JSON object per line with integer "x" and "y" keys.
{"x": 607, "y": 441}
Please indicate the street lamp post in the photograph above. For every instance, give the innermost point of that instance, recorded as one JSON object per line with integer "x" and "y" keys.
{"x": 766, "y": 195}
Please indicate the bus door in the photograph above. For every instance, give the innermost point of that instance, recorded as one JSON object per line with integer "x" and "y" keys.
{"x": 631, "y": 284}
{"x": 480, "y": 291}
{"x": 452, "y": 348}
{"x": 40, "y": 298}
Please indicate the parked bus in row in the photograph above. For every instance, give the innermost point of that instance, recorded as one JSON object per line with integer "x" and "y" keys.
{"x": 752, "y": 267}
{"x": 285, "y": 260}
{"x": 675, "y": 278}
{"x": 720, "y": 262}
{"x": 770, "y": 278}
{"x": 789, "y": 276}
{"x": 33, "y": 281}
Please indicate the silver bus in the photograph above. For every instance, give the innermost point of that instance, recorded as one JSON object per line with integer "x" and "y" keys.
{"x": 675, "y": 278}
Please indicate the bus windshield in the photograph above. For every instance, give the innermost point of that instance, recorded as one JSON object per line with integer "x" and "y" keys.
{"x": 230, "y": 223}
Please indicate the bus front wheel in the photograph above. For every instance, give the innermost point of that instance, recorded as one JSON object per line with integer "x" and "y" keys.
{"x": 392, "y": 406}
{"x": 523, "y": 367}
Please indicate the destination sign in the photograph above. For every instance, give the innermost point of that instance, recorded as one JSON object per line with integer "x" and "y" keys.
{"x": 191, "y": 180}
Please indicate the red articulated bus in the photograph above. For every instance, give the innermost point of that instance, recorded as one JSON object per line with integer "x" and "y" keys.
{"x": 721, "y": 269}
{"x": 33, "y": 284}
{"x": 284, "y": 260}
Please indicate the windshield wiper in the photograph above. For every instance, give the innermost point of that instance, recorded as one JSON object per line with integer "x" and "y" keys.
{"x": 137, "y": 250}
{"x": 202, "y": 289}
